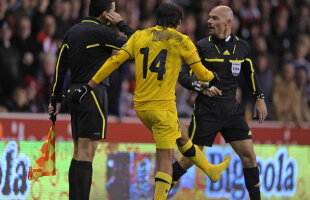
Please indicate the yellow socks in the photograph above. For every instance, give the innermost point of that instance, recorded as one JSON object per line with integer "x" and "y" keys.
{"x": 194, "y": 154}
{"x": 162, "y": 185}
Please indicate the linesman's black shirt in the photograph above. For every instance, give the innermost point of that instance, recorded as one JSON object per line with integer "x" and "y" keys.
{"x": 85, "y": 48}
{"x": 228, "y": 58}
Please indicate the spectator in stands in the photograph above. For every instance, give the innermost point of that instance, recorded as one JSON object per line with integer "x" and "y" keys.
{"x": 9, "y": 61}
{"x": 303, "y": 85}
{"x": 29, "y": 48}
{"x": 265, "y": 79}
{"x": 64, "y": 20}
{"x": 47, "y": 34}
{"x": 249, "y": 15}
{"x": 303, "y": 18}
{"x": 45, "y": 76}
{"x": 286, "y": 97}
{"x": 301, "y": 51}
{"x": 34, "y": 104}
{"x": 25, "y": 8}
{"x": 19, "y": 100}
{"x": 281, "y": 39}
{"x": 3, "y": 10}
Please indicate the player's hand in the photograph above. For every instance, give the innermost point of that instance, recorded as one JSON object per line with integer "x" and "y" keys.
{"x": 260, "y": 110}
{"x": 212, "y": 91}
{"x": 113, "y": 17}
{"x": 79, "y": 93}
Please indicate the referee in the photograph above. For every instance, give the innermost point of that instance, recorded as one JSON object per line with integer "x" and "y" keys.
{"x": 228, "y": 56}
{"x": 85, "y": 48}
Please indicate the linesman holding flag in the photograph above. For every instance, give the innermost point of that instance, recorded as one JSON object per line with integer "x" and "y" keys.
{"x": 85, "y": 48}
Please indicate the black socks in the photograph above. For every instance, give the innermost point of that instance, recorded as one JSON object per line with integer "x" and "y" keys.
{"x": 251, "y": 177}
{"x": 72, "y": 180}
{"x": 178, "y": 172}
{"x": 80, "y": 179}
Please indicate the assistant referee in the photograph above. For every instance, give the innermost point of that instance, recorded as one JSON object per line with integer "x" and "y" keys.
{"x": 85, "y": 48}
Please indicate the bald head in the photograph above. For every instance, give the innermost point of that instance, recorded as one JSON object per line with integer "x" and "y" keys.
{"x": 224, "y": 11}
{"x": 220, "y": 21}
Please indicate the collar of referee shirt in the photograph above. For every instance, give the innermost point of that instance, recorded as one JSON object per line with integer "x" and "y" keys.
{"x": 229, "y": 38}
{"x": 91, "y": 20}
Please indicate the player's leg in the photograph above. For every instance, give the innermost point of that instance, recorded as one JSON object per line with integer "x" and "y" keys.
{"x": 244, "y": 149}
{"x": 163, "y": 125}
{"x": 163, "y": 173}
{"x": 193, "y": 153}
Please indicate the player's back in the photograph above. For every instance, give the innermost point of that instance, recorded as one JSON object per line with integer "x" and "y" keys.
{"x": 158, "y": 57}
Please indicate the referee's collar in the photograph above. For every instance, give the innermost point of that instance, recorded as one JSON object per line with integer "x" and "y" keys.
{"x": 229, "y": 38}
{"x": 91, "y": 20}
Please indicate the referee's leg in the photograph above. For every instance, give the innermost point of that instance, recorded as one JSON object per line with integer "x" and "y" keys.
{"x": 244, "y": 149}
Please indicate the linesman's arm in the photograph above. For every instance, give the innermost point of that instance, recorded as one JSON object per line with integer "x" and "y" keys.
{"x": 60, "y": 72}
{"x": 122, "y": 26}
{"x": 125, "y": 28}
{"x": 62, "y": 65}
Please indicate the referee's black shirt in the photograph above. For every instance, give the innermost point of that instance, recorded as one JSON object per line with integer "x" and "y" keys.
{"x": 85, "y": 48}
{"x": 228, "y": 58}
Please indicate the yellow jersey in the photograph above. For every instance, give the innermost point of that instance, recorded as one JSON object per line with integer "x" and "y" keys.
{"x": 158, "y": 53}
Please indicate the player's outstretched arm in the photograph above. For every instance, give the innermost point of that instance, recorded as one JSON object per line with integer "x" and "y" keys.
{"x": 202, "y": 73}
{"x": 107, "y": 68}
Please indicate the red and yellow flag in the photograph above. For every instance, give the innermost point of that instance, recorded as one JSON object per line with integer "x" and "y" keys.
{"x": 45, "y": 164}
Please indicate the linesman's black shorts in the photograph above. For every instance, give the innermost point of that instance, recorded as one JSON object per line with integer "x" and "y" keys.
{"x": 224, "y": 117}
{"x": 89, "y": 119}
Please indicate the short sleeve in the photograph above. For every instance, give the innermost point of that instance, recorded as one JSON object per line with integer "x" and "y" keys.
{"x": 189, "y": 52}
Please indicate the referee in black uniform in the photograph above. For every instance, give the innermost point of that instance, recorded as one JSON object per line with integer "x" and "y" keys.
{"x": 85, "y": 48}
{"x": 216, "y": 109}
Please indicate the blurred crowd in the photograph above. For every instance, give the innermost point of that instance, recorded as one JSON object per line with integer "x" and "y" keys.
{"x": 277, "y": 30}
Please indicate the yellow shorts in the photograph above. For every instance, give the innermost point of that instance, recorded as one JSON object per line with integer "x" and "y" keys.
{"x": 164, "y": 126}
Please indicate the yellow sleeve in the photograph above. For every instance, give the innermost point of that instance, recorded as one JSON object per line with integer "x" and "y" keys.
{"x": 202, "y": 73}
{"x": 130, "y": 44}
{"x": 189, "y": 52}
{"x": 110, "y": 65}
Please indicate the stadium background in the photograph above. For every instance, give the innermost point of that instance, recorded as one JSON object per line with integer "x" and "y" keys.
{"x": 30, "y": 34}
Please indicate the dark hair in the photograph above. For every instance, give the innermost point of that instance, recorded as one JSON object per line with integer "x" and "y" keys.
{"x": 97, "y": 7}
{"x": 169, "y": 15}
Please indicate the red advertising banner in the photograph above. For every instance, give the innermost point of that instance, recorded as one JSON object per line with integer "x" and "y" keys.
{"x": 32, "y": 127}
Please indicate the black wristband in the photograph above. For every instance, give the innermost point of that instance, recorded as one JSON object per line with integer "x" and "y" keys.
{"x": 259, "y": 95}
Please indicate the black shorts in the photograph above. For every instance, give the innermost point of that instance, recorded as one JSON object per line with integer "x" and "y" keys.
{"x": 89, "y": 119}
{"x": 224, "y": 117}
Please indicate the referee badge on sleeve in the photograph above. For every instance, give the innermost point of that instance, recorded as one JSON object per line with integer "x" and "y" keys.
{"x": 235, "y": 68}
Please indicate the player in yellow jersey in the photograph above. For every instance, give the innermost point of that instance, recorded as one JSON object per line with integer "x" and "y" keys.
{"x": 159, "y": 52}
